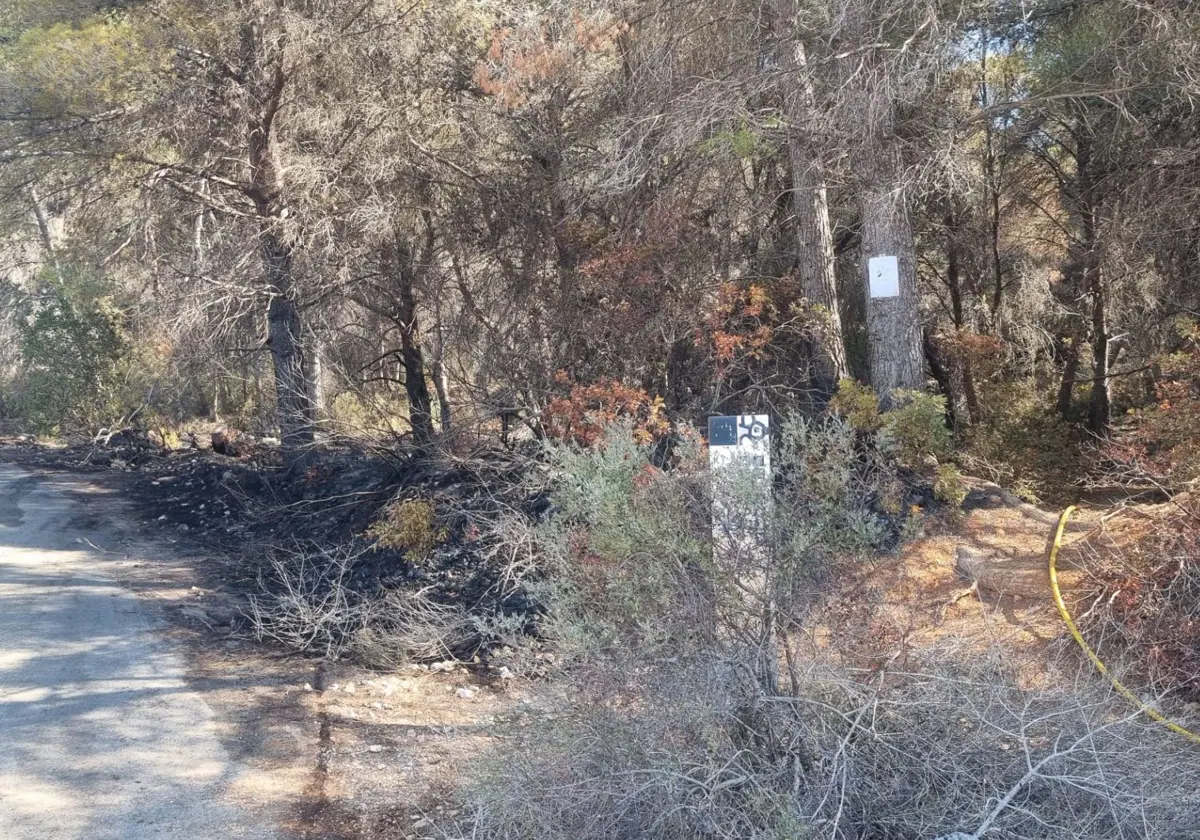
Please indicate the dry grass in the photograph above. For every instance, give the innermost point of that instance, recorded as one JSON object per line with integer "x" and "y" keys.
{"x": 886, "y": 754}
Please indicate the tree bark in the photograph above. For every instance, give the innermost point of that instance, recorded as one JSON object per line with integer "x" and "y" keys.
{"x": 294, "y": 412}
{"x": 1100, "y": 407}
{"x": 45, "y": 232}
{"x": 441, "y": 381}
{"x": 814, "y": 241}
{"x": 961, "y": 362}
{"x": 264, "y": 92}
{"x": 942, "y": 375}
{"x": 420, "y": 403}
{"x": 1066, "y": 389}
{"x": 316, "y": 381}
{"x": 814, "y": 233}
{"x": 893, "y": 323}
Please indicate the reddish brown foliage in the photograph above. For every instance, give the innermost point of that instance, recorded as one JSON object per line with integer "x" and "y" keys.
{"x": 524, "y": 61}
{"x": 739, "y": 323}
{"x": 1148, "y": 599}
{"x": 583, "y": 414}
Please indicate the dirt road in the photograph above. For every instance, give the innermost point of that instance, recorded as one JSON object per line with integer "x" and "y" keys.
{"x": 101, "y": 737}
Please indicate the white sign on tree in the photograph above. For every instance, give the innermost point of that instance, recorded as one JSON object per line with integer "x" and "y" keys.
{"x": 884, "y": 275}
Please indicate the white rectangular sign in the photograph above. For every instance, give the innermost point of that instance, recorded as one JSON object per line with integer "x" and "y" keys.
{"x": 884, "y": 274}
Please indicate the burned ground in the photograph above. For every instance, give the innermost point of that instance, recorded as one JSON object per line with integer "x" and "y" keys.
{"x": 240, "y": 511}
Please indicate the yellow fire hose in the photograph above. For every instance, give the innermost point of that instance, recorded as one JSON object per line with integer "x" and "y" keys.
{"x": 1150, "y": 712}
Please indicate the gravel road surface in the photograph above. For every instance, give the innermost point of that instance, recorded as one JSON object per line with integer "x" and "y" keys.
{"x": 100, "y": 736}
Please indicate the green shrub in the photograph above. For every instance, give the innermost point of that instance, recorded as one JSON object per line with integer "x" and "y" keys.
{"x": 830, "y": 492}
{"x": 631, "y": 559}
{"x": 948, "y": 486}
{"x": 858, "y": 404}
{"x": 625, "y": 541}
{"x": 78, "y": 363}
{"x": 917, "y": 429}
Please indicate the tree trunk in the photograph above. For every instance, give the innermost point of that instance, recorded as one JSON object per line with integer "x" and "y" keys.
{"x": 441, "y": 381}
{"x": 1066, "y": 389}
{"x": 45, "y": 231}
{"x": 893, "y": 316}
{"x": 293, "y": 409}
{"x": 814, "y": 239}
{"x": 264, "y": 87}
{"x": 961, "y": 364}
{"x": 420, "y": 403}
{"x": 954, "y": 271}
{"x": 1100, "y": 407}
{"x": 942, "y": 375}
{"x": 215, "y": 407}
{"x": 893, "y": 323}
{"x": 441, "y": 384}
{"x": 316, "y": 381}
{"x": 970, "y": 394}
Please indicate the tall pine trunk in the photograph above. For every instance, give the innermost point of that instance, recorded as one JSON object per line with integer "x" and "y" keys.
{"x": 420, "y": 404}
{"x": 1100, "y": 408}
{"x": 263, "y": 87}
{"x": 293, "y": 409}
{"x": 412, "y": 358}
{"x": 810, "y": 200}
{"x": 441, "y": 380}
{"x": 893, "y": 323}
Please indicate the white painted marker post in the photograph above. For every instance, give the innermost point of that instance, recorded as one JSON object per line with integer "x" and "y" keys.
{"x": 739, "y": 458}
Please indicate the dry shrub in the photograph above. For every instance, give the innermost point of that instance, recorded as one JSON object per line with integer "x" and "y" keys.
{"x": 410, "y": 525}
{"x": 1143, "y": 608}
{"x": 410, "y": 624}
{"x": 307, "y": 602}
{"x": 673, "y": 751}
{"x": 582, "y": 415}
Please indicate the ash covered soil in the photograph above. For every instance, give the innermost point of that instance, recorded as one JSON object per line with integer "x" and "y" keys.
{"x": 239, "y": 509}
